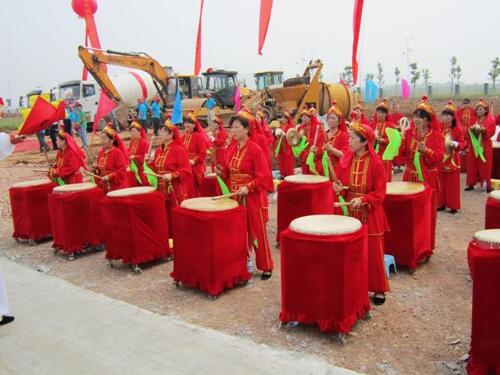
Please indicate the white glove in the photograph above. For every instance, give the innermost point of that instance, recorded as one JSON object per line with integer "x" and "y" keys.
{"x": 454, "y": 144}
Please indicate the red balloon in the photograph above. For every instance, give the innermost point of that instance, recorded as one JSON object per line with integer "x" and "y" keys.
{"x": 79, "y": 7}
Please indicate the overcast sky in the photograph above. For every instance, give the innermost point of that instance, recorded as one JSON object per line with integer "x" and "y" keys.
{"x": 40, "y": 38}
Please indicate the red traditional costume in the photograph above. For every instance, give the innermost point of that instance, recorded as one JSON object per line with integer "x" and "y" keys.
{"x": 285, "y": 157}
{"x": 196, "y": 143}
{"x": 315, "y": 137}
{"x": 480, "y": 160}
{"x": 220, "y": 141}
{"x": 246, "y": 166}
{"x": 365, "y": 176}
{"x": 138, "y": 149}
{"x": 339, "y": 139}
{"x": 257, "y": 135}
{"x": 172, "y": 158}
{"x": 68, "y": 162}
{"x": 395, "y": 117}
{"x": 361, "y": 118}
{"x": 379, "y": 129}
{"x": 466, "y": 117}
{"x": 112, "y": 163}
{"x": 265, "y": 127}
{"x": 429, "y": 160}
{"x": 449, "y": 176}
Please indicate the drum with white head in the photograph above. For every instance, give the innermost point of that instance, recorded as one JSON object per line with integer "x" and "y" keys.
{"x": 207, "y": 204}
{"x": 306, "y": 179}
{"x": 488, "y": 239}
{"x": 127, "y": 192}
{"x": 325, "y": 225}
{"x": 73, "y": 188}
{"x": 31, "y": 183}
{"x": 404, "y": 188}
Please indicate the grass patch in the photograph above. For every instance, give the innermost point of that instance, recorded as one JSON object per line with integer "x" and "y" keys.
{"x": 10, "y": 123}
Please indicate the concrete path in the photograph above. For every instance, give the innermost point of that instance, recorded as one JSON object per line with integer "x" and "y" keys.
{"x": 64, "y": 329}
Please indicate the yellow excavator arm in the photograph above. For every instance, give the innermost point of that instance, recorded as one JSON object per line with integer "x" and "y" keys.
{"x": 93, "y": 60}
{"x": 311, "y": 95}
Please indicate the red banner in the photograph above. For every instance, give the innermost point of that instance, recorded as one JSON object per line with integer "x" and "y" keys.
{"x": 265, "y": 16}
{"x": 197, "y": 57}
{"x": 358, "y": 10}
{"x": 38, "y": 118}
{"x": 105, "y": 106}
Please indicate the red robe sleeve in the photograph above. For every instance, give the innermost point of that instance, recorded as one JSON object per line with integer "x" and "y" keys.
{"x": 141, "y": 152}
{"x": 199, "y": 149}
{"x": 182, "y": 166}
{"x": 376, "y": 196}
{"x": 458, "y": 136}
{"x": 434, "y": 154}
{"x": 70, "y": 165}
{"x": 118, "y": 164}
{"x": 262, "y": 177}
{"x": 220, "y": 139}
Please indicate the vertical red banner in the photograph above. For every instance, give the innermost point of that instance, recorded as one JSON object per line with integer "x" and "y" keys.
{"x": 266, "y": 7}
{"x": 197, "y": 57}
{"x": 358, "y": 11}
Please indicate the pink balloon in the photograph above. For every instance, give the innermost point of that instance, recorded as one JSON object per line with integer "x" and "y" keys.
{"x": 79, "y": 6}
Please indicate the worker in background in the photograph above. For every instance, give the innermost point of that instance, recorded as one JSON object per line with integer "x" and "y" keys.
{"x": 82, "y": 123}
{"x": 156, "y": 114}
{"x": 142, "y": 113}
{"x": 210, "y": 105}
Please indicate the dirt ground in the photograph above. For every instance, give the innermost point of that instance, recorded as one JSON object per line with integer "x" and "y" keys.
{"x": 423, "y": 328}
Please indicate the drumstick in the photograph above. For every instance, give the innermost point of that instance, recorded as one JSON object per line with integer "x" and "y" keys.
{"x": 216, "y": 198}
{"x": 82, "y": 170}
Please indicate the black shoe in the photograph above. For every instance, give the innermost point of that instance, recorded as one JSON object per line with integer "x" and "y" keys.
{"x": 489, "y": 190}
{"x": 266, "y": 275}
{"x": 6, "y": 319}
{"x": 453, "y": 212}
{"x": 442, "y": 208}
{"x": 379, "y": 299}
{"x": 469, "y": 188}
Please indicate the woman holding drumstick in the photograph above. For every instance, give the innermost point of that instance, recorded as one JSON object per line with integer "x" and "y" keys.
{"x": 363, "y": 172}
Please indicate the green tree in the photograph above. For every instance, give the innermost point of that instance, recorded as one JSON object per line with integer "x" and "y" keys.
{"x": 380, "y": 75}
{"x": 426, "y": 75}
{"x": 453, "y": 67}
{"x": 495, "y": 71}
{"x": 347, "y": 75}
{"x": 458, "y": 74}
{"x": 414, "y": 73}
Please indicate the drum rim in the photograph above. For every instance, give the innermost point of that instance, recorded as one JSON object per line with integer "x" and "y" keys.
{"x": 112, "y": 194}
{"x": 323, "y": 233}
{"x": 495, "y": 194}
{"x": 404, "y": 183}
{"x": 209, "y": 199}
{"x": 61, "y": 189}
{"x": 485, "y": 242}
{"x": 40, "y": 183}
{"x": 290, "y": 179}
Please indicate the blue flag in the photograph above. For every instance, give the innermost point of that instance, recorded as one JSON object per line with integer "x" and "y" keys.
{"x": 371, "y": 91}
{"x": 177, "y": 112}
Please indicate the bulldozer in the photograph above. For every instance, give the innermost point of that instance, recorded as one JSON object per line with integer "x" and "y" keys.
{"x": 220, "y": 84}
{"x": 294, "y": 94}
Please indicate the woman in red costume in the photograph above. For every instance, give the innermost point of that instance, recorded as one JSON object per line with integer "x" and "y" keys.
{"x": 112, "y": 161}
{"x": 283, "y": 150}
{"x": 310, "y": 128}
{"x": 422, "y": 152}
{"x": 449, "y": 176}
{"x": 338, "y": 138}
{"x": 379, "y": 125}
{"x": 480, "y": 158}
{"x": 172, "y": 163}
{"x": 70, "y": 158}
{"x": 196, "y": 142}
{"x": 257, "y": 135}
{"x": 362, "y": 170}
{"x": 358, "y": 114}
{"x": 219, "y": 142}
{"x": 247, "y": 174}
{"x": 138, "y": 148}
{"x": 260, "y": 116}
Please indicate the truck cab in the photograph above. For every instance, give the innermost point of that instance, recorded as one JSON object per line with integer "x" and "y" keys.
{"x": 266, "y": 79}
{"x": 84, "y": 92}
{"x": 221, "y": 84}
{"x": 188, "y": 85}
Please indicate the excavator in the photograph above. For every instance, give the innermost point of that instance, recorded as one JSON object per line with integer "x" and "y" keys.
{"x": 295, "y": 93}
{"x": 221, "y": 84}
